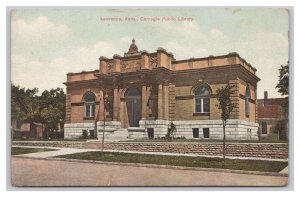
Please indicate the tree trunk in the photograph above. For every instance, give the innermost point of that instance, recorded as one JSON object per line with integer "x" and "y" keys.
{"x": 224, "y": 139}
{"x": 103, "y": 130}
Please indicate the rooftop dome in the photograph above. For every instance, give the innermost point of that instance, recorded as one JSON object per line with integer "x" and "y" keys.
{"x": 133, "y": 48}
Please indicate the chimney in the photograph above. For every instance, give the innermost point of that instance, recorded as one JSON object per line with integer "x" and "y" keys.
{"x": 265, "y": 95}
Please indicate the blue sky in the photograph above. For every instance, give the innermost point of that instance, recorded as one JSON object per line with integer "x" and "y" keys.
{"x": 48, "y": 43}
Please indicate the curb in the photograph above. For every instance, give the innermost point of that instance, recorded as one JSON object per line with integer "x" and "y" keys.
{"x": 159, "y": 166}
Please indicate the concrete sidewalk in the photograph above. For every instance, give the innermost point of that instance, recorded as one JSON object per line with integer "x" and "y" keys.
{"x": 65, "y": 151}
{"x": 61, "y": 151}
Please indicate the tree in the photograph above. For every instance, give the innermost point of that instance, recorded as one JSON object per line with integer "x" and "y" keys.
{"x": 171, "y": 131}
{"x": 283, "y": 82}
{"x": 226, "y": 106}
{"x": 24, "y": 104}
{"x": 52, "y": 108}
{"x": 27, "y": 106}
{"x": 107, "y": 103}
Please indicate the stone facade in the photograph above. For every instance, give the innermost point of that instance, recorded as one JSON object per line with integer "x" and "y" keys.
{"x": 139, "y": 94}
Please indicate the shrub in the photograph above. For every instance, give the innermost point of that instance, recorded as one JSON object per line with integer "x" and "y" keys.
{"x": 84, "y": 134}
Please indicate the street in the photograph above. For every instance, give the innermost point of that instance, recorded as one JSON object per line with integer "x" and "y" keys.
{"x": 39, "y": 172}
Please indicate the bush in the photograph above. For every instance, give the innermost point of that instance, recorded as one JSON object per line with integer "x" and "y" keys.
{"x": 84, "y": 134}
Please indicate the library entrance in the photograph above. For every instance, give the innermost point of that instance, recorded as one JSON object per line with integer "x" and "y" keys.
{"x": 133, "y": 105}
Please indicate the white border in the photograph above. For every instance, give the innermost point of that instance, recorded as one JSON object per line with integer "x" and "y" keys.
{"x": 5, "y": 77}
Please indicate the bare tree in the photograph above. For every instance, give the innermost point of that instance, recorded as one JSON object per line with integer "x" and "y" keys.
{"x": 226, "y": 106}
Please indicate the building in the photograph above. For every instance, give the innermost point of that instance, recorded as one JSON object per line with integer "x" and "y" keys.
{"x": 28, "y": 130}
{"x": 139, "y": 94}
{"x": 273, "y": 116}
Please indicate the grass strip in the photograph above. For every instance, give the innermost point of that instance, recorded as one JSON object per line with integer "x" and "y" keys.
{"x": 202, "y": 162}
{"x": 21, "y": 150}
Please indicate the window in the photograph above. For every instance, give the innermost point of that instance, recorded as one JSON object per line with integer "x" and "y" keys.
{"x": 247, "y": 98}
{"x": 202, "y": 102}
{"x": 92, "y": 134}
{"x": 150, "y": 132}
{"x": 264, "y": 128}
{"x": 89, "y": 99}
{"x": 195, "y": 132}
{"x": 206, "y": 132}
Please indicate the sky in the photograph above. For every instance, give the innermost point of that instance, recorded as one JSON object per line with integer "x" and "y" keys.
{"x": 46, "y": 44}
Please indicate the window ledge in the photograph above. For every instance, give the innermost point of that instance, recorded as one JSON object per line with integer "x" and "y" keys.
{"x": 201, "y": 114}
{"x": 88, "y": 118}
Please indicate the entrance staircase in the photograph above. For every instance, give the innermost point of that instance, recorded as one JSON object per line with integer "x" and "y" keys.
{"x": 113, "y": 135}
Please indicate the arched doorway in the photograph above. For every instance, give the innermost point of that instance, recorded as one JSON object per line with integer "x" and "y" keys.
{"x": 134, "y": 105}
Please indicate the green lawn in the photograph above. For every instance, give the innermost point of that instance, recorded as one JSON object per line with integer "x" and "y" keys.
{"x": 202, "y": 162}
{"x": 20, "y": 150}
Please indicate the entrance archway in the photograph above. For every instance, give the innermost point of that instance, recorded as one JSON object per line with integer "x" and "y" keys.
{"x": 134, "y": 106}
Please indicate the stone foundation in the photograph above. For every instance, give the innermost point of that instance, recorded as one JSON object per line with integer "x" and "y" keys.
{"x": 235, "y": 129}
{"x": 74, "y": 130}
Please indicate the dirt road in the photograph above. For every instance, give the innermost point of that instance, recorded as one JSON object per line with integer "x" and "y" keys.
{"x": 39, "y": 172}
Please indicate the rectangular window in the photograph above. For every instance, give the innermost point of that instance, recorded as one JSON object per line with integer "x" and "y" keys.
{"x": 206, "y": 132}
{"x": 92, "y": 134}
{"x": 93, "y": 110}
{"x": 202, "y": 104}
{"x": 195, "y": 132}
{"x": 89, "y": 110}
{"x": 198, "y": 105}
{"x": 150, "y": 132}
{"x": 264, "y": 128}
{"x": 247, "y": 107}
{"x": 206, "y": 104}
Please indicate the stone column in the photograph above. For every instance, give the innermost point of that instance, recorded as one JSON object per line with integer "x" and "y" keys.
{"x": 160, "y": 102}
{"x": 101, "y": 106}
{"x": 144, "y": 101}
{"x": 166, "y": 100}
{"x": 121, "y": 109}
{"x": 116, "y": 103}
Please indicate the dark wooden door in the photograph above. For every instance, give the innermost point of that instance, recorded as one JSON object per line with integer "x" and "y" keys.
{"x": 134, "y": 106}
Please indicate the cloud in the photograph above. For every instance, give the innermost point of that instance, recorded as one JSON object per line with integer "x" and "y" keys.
{"x": 89, "y": 55}
{"x": 126, "y": 39}
{"x": 40, "y": 38}
{"x": 46, "y": 74}
{"x": 217, "y": 34}
{"x": 41, "y": 27}
{"x": 41, "y": 74}
{"x": 269, "y": 45}
{"x": 266, "y": 51}
{"x": 182, "y": 51}
{"x": 196, "y": 41}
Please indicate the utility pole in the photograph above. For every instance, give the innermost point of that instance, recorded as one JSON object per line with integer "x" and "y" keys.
{"x": 106, "y": 104}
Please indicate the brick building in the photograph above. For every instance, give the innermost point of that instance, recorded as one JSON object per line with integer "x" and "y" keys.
{"x": 28, "y": 130}
{"x": 141, "y": 93}
{"x": 273, "y": 116}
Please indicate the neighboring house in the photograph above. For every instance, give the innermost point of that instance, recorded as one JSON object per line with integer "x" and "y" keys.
{"x": 273, "y": 116}
{"x": 28, "y": 130}
{"x": 147, "y": 91}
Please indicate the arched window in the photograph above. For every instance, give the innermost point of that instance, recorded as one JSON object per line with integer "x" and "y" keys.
{"x": 202, "y": 96}
{"x": 247, "y": 98}
{"x": 89, "y": 102}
